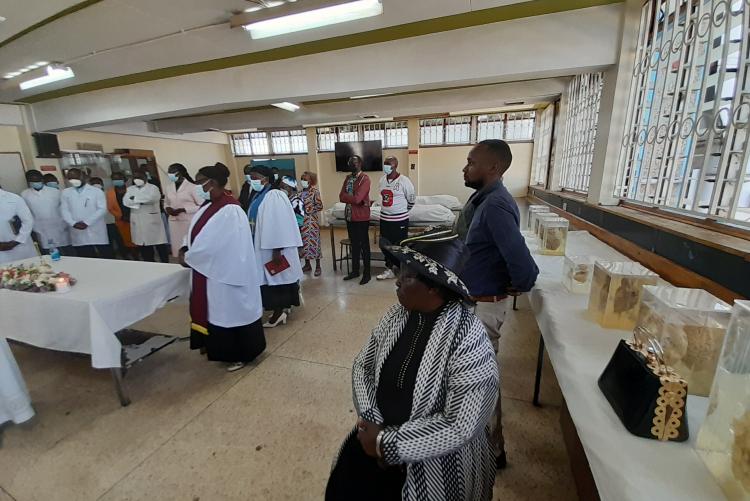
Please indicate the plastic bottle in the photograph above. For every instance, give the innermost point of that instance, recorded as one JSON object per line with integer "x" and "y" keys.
{"x": 54, "y": 252}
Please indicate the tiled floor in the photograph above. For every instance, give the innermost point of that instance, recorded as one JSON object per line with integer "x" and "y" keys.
{"x": 268, "y": 432}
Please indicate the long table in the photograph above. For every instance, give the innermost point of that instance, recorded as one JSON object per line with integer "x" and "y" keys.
{"x": 623, "y": 466}
{"x": 92, "y": 318}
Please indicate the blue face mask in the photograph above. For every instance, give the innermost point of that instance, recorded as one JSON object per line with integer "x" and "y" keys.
{"x": 118, "y": 183}
{"x": 248, "y": 178}
{"x": 37, "y": 185}
{"x": 54, "y": 184}
{"x": 172, "y": 177}
{"x": 387, "y": 169}
{"x": 256, "y": 184}
{"x": 204, "y": 195}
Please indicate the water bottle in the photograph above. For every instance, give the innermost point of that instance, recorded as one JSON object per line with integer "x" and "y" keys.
{"x": 54, "y": 252}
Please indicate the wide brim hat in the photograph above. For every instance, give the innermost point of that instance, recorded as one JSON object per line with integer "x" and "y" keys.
{"x": 438, "y": 254}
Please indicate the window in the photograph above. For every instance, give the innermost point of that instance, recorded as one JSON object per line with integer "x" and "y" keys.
{"x": 543, "y": 147}
{"x": 280, "y": 142}
{"x": 390, "y": 134}
{"x": 583, "y": 95}
{"x": 518, "y": 126}
{"x": 686, "y": 140}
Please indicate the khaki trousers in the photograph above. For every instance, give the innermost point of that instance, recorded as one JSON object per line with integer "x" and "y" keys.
{"x": 492, "y": 316}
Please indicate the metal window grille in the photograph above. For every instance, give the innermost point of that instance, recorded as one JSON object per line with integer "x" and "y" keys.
{"x": 686, "y": 142}
{"x": 458, "y": 130}
{"x": 520, "y": 126}
{"x": 490, "y": 126}
{"x": 348, "y": 133}
{"x": 584, "y": 95}
{"x": 396, "y": 134}
{"x": 280, "y": 142}
{"x": 326, "y": 138}
{"x": 374, "y": 132}
{"x": 431, "y": 131}
{"x": 543, "y": 146}
{"x": 241, "y": 145}
{"x": 298, "y": 139}
{"x": 390, "y": 134}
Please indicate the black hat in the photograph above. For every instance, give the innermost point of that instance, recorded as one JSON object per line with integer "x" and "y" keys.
{"x": 437, "y": 254}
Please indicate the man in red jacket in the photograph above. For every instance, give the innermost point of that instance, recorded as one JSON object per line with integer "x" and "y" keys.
{"x": 355, "y": 193}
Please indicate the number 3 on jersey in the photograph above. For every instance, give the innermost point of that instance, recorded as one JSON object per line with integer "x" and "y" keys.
{"x": 387, "y": 198}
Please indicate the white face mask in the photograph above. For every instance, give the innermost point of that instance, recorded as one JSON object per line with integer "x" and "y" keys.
{"x": 387, "y": 169}
{"x": 139, "y": 182}
{"x": 305, "y": 184}
{"x": 75, "y": 183}
{"x": 98, "y": 186}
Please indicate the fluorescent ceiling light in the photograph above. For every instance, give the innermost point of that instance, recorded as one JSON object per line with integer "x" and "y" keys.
{"x": 287, "y": 106}
{"x": 55, "y": 73}
{"x": 316, "y": 18}
{"x": 367, "y": 96}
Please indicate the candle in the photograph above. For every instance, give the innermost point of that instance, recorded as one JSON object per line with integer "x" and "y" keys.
{"x": 62, "y": 285}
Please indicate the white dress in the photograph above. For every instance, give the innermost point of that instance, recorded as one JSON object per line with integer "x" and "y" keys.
{"x": 146, "y": 224}
{"x": 276, "y": 228}
{"x": 12, "y": 206}
{"x": 48, "y": 221}
{"x": 15, "y": 404}
{"x": 88, "y": 205}
{"x": 223, "y": 252}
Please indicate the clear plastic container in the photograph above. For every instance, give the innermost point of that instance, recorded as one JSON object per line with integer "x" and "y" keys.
{"x": 538, "y": 217}
{"x": 530, "y": 212}
{"x": 690, "y": 325}
{"x": 553, "y": 236}
{"x": 724, "y": 439}
{"x": 577, "y": 272}
{"x": 616, "y": 289}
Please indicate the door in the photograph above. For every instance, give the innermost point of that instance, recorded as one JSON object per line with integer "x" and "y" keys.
{"x": 12, "y": 173}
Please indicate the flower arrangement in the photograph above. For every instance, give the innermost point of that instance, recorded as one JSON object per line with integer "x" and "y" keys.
{"x": 32, "y": 278}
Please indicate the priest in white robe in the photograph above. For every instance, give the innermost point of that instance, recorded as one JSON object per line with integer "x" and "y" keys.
{"x": 15, "y": 404}
{"x": 277, "y": 240}
{"x": 225, "y": 304}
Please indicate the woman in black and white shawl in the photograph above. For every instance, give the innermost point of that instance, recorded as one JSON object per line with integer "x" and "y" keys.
{"x": 425, "y": 387}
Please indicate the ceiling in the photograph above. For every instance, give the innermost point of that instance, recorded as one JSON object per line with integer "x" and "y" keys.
{"x": 112, "y": 38}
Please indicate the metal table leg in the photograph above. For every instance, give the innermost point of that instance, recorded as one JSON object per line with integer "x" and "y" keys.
{"x": 122, "y": 392}
{"x": 333, "y": 248}
{"x": 539, "y": 365}
{"x": 515, "y": 299}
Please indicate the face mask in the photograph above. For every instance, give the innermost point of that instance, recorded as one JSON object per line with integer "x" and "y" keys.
{"x": 387, "y": 169}
{"x": 98, "y": 186}
{"x": 118, "y": 183}
{"x": 305, "y": 184}
{"x": 54, "y": 184}
{"x": 248, "y": 178}
{"x": 37, "y": 185}
{"x": 204, "y": 195}
{"x": 172, "y": 177}
{"x": 139, "y": 182}
{"x": 256, "y": 184}
{"x": 75, "y": 183}
{"x": 275, "y": 177}
{"x": 148, "y": 176}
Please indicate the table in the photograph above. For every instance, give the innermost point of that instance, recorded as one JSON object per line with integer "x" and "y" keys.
{"x": 15, "y": 404}
{"x": 110, "y": 296}
{"x": 623, "y": 466}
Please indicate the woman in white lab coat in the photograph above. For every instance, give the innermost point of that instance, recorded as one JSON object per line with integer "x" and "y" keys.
{"x": 277, "y": 240}
{"x": 225, "y": 303}
{"x": 146, "y": 226}
{"x": 44, "y": 204}
{"x": 181, "y": 204}
{"x": 15, "y": 228}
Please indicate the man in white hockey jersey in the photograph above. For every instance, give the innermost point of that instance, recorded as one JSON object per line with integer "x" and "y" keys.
{"x": 397, "y": 197}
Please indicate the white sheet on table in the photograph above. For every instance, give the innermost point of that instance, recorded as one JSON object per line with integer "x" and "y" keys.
{"x": 624, "y": 466}
{"x": 109, "y": 296}
{"x": 437, "y": 214}
{"x": 15, "y": 404}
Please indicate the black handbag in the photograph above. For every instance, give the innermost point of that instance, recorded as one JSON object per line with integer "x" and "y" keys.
{"x": 646, "y": 394}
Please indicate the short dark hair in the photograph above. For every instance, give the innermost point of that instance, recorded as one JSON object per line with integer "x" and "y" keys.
{"x": 96, "y": 180}
{"x": 501, "y": 151}
{"x": 33, "y": 173}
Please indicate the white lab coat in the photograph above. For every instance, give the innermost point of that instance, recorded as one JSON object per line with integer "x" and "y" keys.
{"x": 48, "y": 221}
{"x": 88, "y": 205}
{"x": 11, "y": 205}
{"x": 182, "y": 198}
{"x": 223, "y": 252}
{"x": 146, "y": 224}
{"x": 276, "y": 228}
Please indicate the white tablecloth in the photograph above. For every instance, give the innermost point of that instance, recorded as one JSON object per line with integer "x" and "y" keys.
{"x": 623, "y": 465}
{"x": 109, "y": 296}
{"x": 15, "y": 404}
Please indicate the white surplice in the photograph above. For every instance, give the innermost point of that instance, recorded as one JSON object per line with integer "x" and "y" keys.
{"x": 87, "y": 205}
{"x": 182, "y": 198}
{"x": 15, "y": 404}
{"x": 146, "y": 224}
{"x": 48, "y": 221}
{"x": 12, "y": 206}
{"x": 276, "y": 228}
{"x": 223, "y": 252}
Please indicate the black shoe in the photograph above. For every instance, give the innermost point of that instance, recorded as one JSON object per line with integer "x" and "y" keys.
{"x": 501, "y": 461}
{"x": 365, "y": 278}
{"x": 351, "y": 276}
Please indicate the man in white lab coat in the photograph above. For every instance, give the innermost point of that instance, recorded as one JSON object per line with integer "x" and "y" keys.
{"x": 146, "y": 225}
{"x": 15, "y": 228}
{"x": 83, "y": 209}
{"x": 44, "y": 204}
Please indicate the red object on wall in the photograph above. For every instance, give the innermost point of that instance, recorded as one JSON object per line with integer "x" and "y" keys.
{"x": 48, "y": 168}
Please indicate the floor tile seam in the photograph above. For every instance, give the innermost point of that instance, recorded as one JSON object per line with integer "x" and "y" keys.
{"x": 5, "y": 491}
{"x": 296, "y": 332}
{"x": 313, "y": 362}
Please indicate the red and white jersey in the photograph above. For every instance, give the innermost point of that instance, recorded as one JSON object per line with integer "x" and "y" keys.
{"x": 397, "y": 197}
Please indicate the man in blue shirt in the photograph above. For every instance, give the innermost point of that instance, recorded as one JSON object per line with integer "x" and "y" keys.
{"x": 500, "y": 262}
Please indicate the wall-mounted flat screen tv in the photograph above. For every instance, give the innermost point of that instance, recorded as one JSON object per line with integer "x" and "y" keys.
{"x": 370, "y": 151}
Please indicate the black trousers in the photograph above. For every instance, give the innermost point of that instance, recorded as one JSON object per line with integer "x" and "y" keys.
{"x": 394, "y": 232}
{"x": 147, "y": 253}
{"x": 359, "y": 235}
{"x": 97, "y": 251}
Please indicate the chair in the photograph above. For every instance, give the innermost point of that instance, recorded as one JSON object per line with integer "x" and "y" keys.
{"x": 345, "y": 244}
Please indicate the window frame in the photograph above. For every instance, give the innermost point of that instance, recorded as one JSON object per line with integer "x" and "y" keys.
{"x": 475, "y": 121}
{"x": 270, "y": 135}
{"x": 362, "y": 131}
